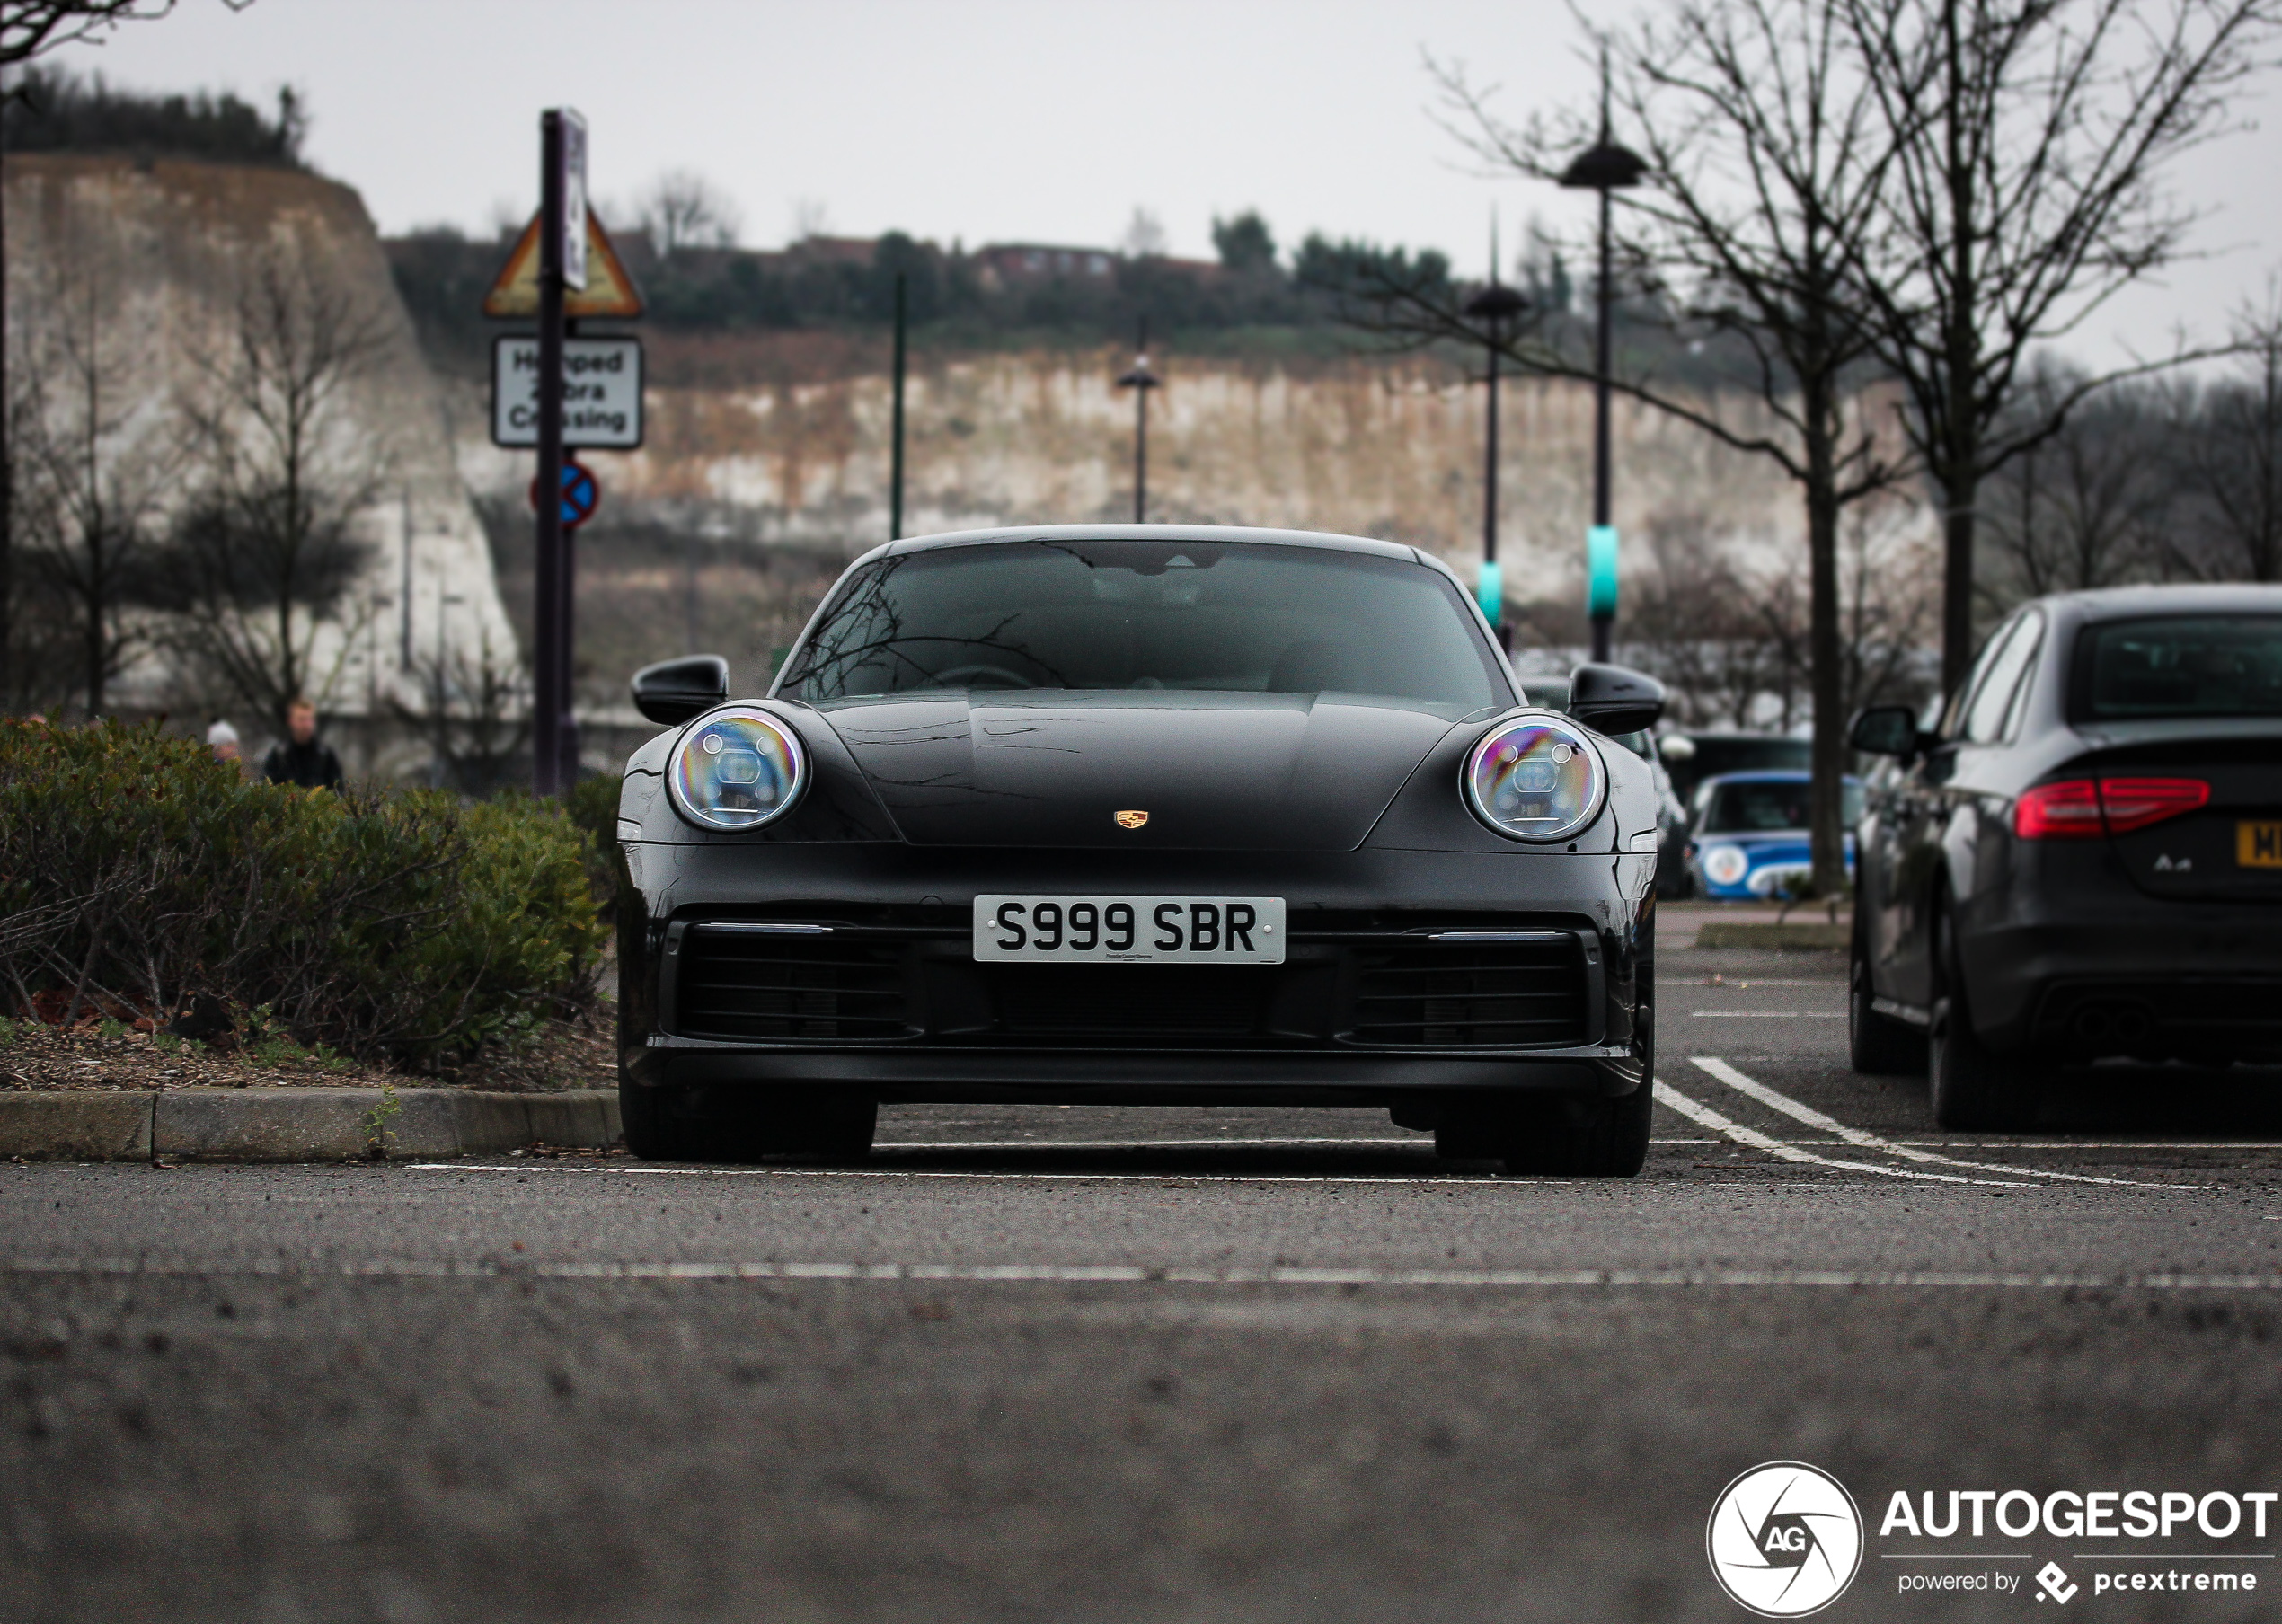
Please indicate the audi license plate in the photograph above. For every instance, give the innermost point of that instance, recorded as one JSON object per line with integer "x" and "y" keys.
{"x": 2259, "y": 845}
{"x": 1129, "y": 929}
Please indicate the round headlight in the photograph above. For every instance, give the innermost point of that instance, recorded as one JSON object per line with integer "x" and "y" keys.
{"x": 1534, "y": 779}
{"x": 737, "y": 769}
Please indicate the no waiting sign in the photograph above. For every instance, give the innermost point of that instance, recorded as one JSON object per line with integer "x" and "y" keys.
{"x": 601, "y": 392}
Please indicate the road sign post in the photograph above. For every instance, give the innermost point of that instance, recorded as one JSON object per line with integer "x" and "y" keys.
{"x": 562, "y": 191}
{"x": 562, "y": 268}
{"x": 579, "y": 493}
{"x": 601, "y": 392}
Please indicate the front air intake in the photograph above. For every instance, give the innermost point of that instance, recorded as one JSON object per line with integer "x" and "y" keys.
{"x": 1472, "y": 993}
{"x": 745, "y": 982}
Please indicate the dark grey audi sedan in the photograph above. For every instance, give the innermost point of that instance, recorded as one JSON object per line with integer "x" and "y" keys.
{"x": 1120, "y": 814}
{"x": 2083, "y": 859}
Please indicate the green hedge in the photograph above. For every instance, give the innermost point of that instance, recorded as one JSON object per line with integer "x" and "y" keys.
{"x": 139, "y": 876}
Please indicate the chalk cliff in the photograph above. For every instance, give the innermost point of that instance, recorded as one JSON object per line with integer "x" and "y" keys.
{"x": 149, "y": 261}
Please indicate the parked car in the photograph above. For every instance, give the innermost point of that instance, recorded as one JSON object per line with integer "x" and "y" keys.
{"x": 2082, "y": 858}
{"x": 1749, "y": 834}
{"x": 1136, "y": 814}
{"x": 1690, "y": 758}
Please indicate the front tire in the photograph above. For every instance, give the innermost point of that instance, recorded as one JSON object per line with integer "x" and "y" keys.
{"x": 1876, "y": 1045}
{"x": 1595, "y": 1138}
{"x": 1968, "y": 1085}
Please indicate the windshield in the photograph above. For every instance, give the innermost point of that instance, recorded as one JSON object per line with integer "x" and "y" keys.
{"x": 2202, "y": 665}
{"x": 1775, "y": 751}
{"x": 1749, "y": 807}
{"x": 1231, "y": 617}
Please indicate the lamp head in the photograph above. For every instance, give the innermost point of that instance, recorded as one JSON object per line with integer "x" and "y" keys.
{"x": 1496, "y": 302}
{"x": 1609, "y": 166}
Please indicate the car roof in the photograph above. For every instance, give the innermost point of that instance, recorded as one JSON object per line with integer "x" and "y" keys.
{"x": 2184, "y": 598}
{"x": 1768, "y": 775}
{"x": 1158, "y": 533}
{"x": 1705, "y": 736}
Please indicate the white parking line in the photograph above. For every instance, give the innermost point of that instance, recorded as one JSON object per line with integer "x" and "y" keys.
{"x": 1086, "y": 1274}
{"x": 2097, "y": 1144}
{"x": 1769, "y": 1014}
{"x": 1704, "y": 1116}
{"x": 1862, "y": 1139}
{"x": 1479, "y": 1181}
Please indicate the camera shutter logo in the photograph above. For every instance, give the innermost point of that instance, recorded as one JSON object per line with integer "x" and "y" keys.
{"x": 1785, "y": 1540}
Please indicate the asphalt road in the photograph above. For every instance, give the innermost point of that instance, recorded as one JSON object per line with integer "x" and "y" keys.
{"x": 1065, "y": 1364}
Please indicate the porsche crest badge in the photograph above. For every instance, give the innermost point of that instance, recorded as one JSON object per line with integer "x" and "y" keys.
{"x": 1131, "y": 820}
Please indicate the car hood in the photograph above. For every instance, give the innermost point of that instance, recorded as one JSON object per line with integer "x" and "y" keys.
{"x": 1271, "y": 771}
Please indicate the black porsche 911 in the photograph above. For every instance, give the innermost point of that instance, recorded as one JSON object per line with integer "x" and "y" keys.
{"x": 1140, "y": 814}
{"x": 2082, "y": 861}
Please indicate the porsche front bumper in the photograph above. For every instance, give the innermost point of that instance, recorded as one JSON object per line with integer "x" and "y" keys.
{"x": 1409, "y": 973}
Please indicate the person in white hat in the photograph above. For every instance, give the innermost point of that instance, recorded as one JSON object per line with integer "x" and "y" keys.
{"x": 223, "y": 739}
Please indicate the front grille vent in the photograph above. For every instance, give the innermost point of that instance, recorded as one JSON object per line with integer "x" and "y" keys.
{"x": 738, "y": 984}
{"x": 1487, "y": 994}
{"x": 1139, "y": 1004}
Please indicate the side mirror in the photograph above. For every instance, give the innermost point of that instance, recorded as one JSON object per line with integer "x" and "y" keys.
{"x": 673, "y": 690}
{"x": 1884, "y": 730}
{"x": 1611, "y": 699}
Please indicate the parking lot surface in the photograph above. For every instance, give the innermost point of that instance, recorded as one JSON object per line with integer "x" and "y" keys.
{"x": 1141, "y": 1364}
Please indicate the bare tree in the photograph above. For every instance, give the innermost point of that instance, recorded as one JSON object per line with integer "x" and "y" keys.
{"x": 1721, "y": 639}
{"x": 45, "y": 654}
{"x": 682, "y": 209}
{"x": 2085, "y": 507}
{"x": 811, "y": 217}
{"x": 2031, "y": 135}
{"x": 92, "y": 460}
{"x": 475, "y": 714}
{"x": 1767, "y": 163}
{"x": 1890, "y": 585}
{"x": 2230, "y": 524}
{"x": 29, "y": 29}
{"x": 267, "y": 550}
{"x": 1144, "y": 237}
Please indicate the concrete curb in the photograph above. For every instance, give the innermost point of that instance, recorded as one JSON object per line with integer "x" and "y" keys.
{"x": 297, "y": 1124}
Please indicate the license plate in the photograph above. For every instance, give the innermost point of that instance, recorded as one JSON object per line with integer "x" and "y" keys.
{"x": 1129, "y": 929}
{"x": 2259, "y": 844}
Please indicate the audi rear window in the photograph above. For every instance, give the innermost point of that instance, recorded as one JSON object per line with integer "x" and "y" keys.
{"x": 2179, "y": 666}
{"x": 1228, "y": 617}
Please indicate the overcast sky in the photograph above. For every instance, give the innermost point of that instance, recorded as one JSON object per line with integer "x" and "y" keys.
{"x": 992, "y": 119}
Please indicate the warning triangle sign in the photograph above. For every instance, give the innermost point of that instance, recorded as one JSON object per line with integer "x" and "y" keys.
{"x": 609, "y": 290}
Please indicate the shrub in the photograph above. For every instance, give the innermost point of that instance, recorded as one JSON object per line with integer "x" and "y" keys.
{"x": 592, "y": 805}
{"x": 140, "y": 876}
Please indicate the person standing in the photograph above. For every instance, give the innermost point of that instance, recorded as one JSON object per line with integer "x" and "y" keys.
{"x": 221, "y": 740}
{"x": 302, "y": 757}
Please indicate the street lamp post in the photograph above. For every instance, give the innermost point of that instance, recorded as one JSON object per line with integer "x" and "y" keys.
{"x": 1141, "y": 380}
{"x": 895, "y": 457}
{"x": 1497, "y": 307}
{"x": 1605, "y": 167}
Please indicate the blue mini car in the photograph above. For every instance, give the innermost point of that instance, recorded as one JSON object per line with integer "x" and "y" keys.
{"x": 1748, "y": 835}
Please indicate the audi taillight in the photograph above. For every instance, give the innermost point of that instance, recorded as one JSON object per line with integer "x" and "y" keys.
{"x": 2081, "y": 808}
{"x": 2134, "y": 803}
{"x": 2068, "y": 810}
